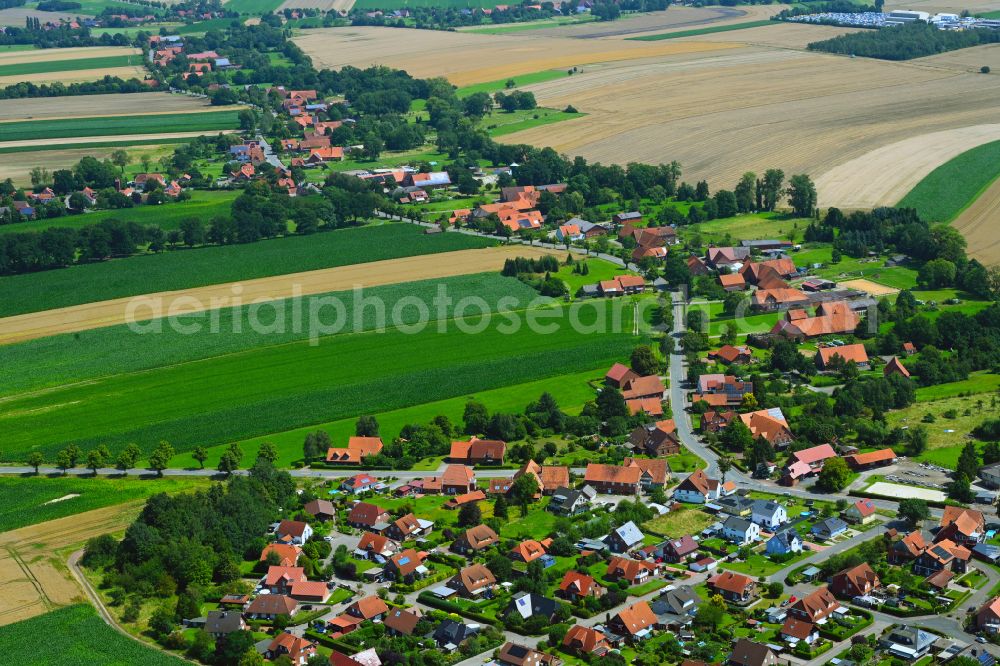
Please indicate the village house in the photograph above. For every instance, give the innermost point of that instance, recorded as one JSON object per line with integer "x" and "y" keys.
{"x": 907, "y": 549}
{"x": 405, "y": 566}
{"x": 855, "y": 354}
{"x": 310, "y": 591}
{"x": 863, "y": 461}
{"x": 768, "y": 514}
{"x": 636, "y": 622}
{"x": 747, "y": 653}
{"x": 279, "y": 579}
{"x": 567, "y": 502}
{"x": 815, "y": 607}
{"x": 474, "y": 581}
{"x": 676, "y": 607}
{"x": 988, "y": 616}
{"x": 376, "y": 547}
{"x": 628, "y": 219}
{"x": 528, "y": 605}
{"x": 714, "y": 421}
{"x": 357, "y": 448}
{"x": 624, "y": 538}
{"x": 297, "y": 649}
{"x": 782, "y": 298}
{"x": 364, "y": 515}
{"x": 576, "y": 585}
{"x": 402, "y": 622}
{"x": 450, "y": 634}
{"x": 860, "y": 512}
{"x": 895, "y": 366}
{"x": 529, "y": 550}
{"x": 270, "y": 606}
{"x": 807, "y": 462}
{"x": 584, "y": 640}
{"x": 785, "y": 542}
{"x": 854, "y": 582}
{"x": 286, "y": 554}
{"x": 620, "y": 376}
{"x": 740, "y": 531}
{"x": 368, "y": 608}
{"x": 795, "y": 630}
{"x": 406, "y": 527}
{"x": 721, "y": 390}
{"x": 548, "y": 477}
{"x": 613, "y": 479}
{"x": 966, "y": 527}
{"x": 456, "y": 501}
{"x": 828, "y": 529}
{"x": 732, "y": 282}
{"x": 320, "y": 509}
{"x": 219, "y": 623}
{"x": 730, "y": 258}
{"x": 679, "y": 550}
{"x": 514, "y": 654}
{"x": 944, "y": 554}
{"x": 699, "y": 489}
{"x": 478, "y": 452}
{"x": 769, "y": 424}
{"x": 733, "y": 586}
{"x": 654, "y": 472}
{"x": 359, "y": 483}
{"x": 644, "y": 387}
{"x": 293, "y": 531}
{"x": 475, "y": 540}
{"x": 831, "y": 317}
{"x": 457, "y": 480}
{"x": 728, "y": 354}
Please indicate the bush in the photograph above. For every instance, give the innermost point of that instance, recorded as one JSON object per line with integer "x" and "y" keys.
{"x": 985, "y": 69}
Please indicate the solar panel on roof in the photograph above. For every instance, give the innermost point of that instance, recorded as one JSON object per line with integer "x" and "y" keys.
{"x": 404, "y": 560}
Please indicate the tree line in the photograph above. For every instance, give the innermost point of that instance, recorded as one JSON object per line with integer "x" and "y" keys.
{"x": 905, "y": 42}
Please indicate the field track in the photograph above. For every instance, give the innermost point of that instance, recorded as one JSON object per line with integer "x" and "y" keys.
{"x": 979, "y": 221}
{"x": 883, "y": 176}
{"x": 408, "y": 269}
{"x": 35, "y": 580}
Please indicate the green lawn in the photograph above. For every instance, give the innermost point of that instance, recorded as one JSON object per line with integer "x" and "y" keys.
{"x": 702, "y": 31}
{"x": 748, "y": 227}
{"x": 93, "y": 144}
{"x": 504, "y": 29}
{"x": 598, "y": 269}
{"x": 208, "y": 121}
{"x": 536, "y": 524}
{"x": 943, "y": 432}
{"x": 680, "y": 522}
{"x": 76, "y": 636}
{"x": 184, "y": 269}
{"x": 520, "y": 80}
{"x": 501, "y": 123}
{"x": 31, "y": 500}
{"x": 267, "y": 390}
{"x": 949, "y": 189}
{"x": 27, "y": 68}
{"x": 254, "y": 7}
{"x": 204, "y": 26}
{"x": 978, "y": 382}
{"x": 203, "y": 205}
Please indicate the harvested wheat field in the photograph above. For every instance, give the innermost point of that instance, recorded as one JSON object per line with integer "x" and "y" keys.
{"x": 883, "y": 176}
{"x": 721, "y": 113}
{"x": 873, "y": 288}
{"x": 979, "y": 221}
{"x": 778, "y": 35}
{"x": 343, "y": 278}
{"x": 86, "y": 106}
{"x": 14, "y": 16}
{"x": 75, "y": 76}
{"x": 952, "y": 6}
{"x": 967, "y": 60}
{"x": 74, "y": 53}
{"x": 17, "y": 166}
{"x": 467, "y": 58}
{"x": 342, "y": 6}
{"x": 33, "y": 576}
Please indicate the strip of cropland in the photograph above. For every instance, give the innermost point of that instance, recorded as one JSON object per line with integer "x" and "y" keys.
{"x": 28, "y": 68}
{"x": 950, "y": 188}
{"x": 182, "y": 304}
{"x": 210, "y": 265}
{"x": 278, "y": 388}
{"x": 119, "y": 125}
{"x": 701, "y": 31}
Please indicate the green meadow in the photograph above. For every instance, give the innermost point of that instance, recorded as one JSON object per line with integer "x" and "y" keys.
{"x": 27, "y": 68}
{"x": 209, "y": 121}
{"x": 184, "y": 269}
{"x": 949, "y": 189}
{"x": 272, "y": 389}
{"x": 702, "y": 31}
{"x": 499, "y": 124}
{"x": 521, "y": 80}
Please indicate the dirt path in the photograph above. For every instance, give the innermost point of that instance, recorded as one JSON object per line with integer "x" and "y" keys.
{"x": 883, "y": 176}
{"x": 33, "y": 577}
{"x": 978, "y": 223}
{"x": 408, "y": 269}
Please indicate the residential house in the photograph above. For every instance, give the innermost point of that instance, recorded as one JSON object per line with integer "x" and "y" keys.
{"x": 862, "y": 461}
{"x": 721, "y": 390}
{"x": 635, "y": 622}
{"x": 475, "y": 540}
{"x": 732, "y": 282}
{"x": 401, "y": 622}
{"x": 854, "y": 582}
{"x": 474, "y": 581}
{"x": 895, "y": 366}
{"x": 726, "y": 257}
{"x": 768, "y": 514}
{"x": 650, "y": 386}
{"x": 368, "y": 608}
{"x": 450, "y": 634}
{"x": 320, "y": 509}
{"x": 613, "y": 479}
{"x": 293, "y": 531}
{"x": 747, "y": 653}
{"x": 652, "y": 407}
{"x": 478, "y": 452}
{"x": 679, "y": 550}
{"x": 813, "y": 457}
{"x": 654, "y": 472}
{"x": 529, "y": 605}
{"x": 220, "y": 623}
{"x": 636, "y": 572}
{"x": 908, "y": 642}
{"x": 270, "y": 606}
{"x": 740, "y": 531}
{"x": 714, "y": 421}
{"x": 696, "y": 266}
{"x": 309, "y": 591}
{"x": 376, "y": 547}
{"x": 828, "y": 528}
{"x": 909, "y": 349}
{"x": 514, "y": 654}
{"x": 769, "y": 424}
{"x": 855, "y": 354}
{"x": 945, "y": 554}
{"x": 988, "y": 616}
{"x": 961, "y": 525}
{"x": 364, "y": 515}
{"x": 357, "y": 448}
{"x": 584, "y": 640}
{"x": 795, "y": 630}
{"x": 359, "y": 483}
{"x": 296, "y": 648}
{"x": 426, "y": 181}
{"x": 736, "y": 505}
{"x": 406, "y": 566}
{"x": 287, "y": 554}
{"x": 728, "y": 354}
{"x": 831, "y": 317}
{"x": 620, "y": 376}
{"x": 528, "y": 550}
{"x": 468, "y": 498}
{"x": 860, "y": 512}
{"x": 907, "y": 549}
{"x": 990, "y": 475}
{"x": 569, "y": 232}
{"x": 733, "y": 586}
{"x": 784, "y": 267}
{"x": 699, "y": 489}
{"x": 782, "y": 298}
{"x": 458, "y": 480}
{"x": 624, "y": 538}
{"x": 279, "y": 579}
{"x": 676, "y": 607}
{"x": 815, "y": 607}
{"x": 576, "y": 585}
{"x": 629, "y": 219}
{"x": 567, "y": 502}
{"x": 785, "y": 542}
{"x": 406, "y": 527}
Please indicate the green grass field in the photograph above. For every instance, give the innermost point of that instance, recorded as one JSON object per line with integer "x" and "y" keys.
{"x": 949, "y": 189}
{"x": 94, "y": 144}
{"x": 69, "y": 358}
{"x": 183, "y": 269}
{"x": 978, "y": 382}
{"x": 254, "y": 7}
{"x": 203, "y": 204}
{"x": 27, "y": 68}
{"x": 522, "y": 80}
{"x": 76, "y": 636}
{"x": 747, "y": 227}
{"x": 403, "y": 4}
{"x": 500, "y": 124}
{"x": 209, "y": 121}
{"x": 571, "y": 391}
{"x": 701, "y": 31}
{"x": 30, "y": 500}
{"x": 260, "y": 391}
{"x": 506, "y": 29}
{"x": 204, "y": 26}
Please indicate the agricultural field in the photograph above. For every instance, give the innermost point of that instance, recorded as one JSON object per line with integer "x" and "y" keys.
{"x": 29, "y": 69}
{"x": 254, "y": 7}
{"x": 166, "y": 123}
{"x": 703, "y": 31}
{"x": 88, "y": 283}
{"x": 70, "y": 64}
{"x": 190, "y": 302}
{"x": 31, "y": 500}
{"x": 76, "y": 635}
{"x": 60, "y": 155}
{"x": 947, "y": 190}
{"x": 978, "y": 224}
{"x": 267, "y": 390}
{"x": 15, "y": 16}
{"x": 748, "y": 227}
{"x": 131, "y": 104}
{"x": 203, "y": 204}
